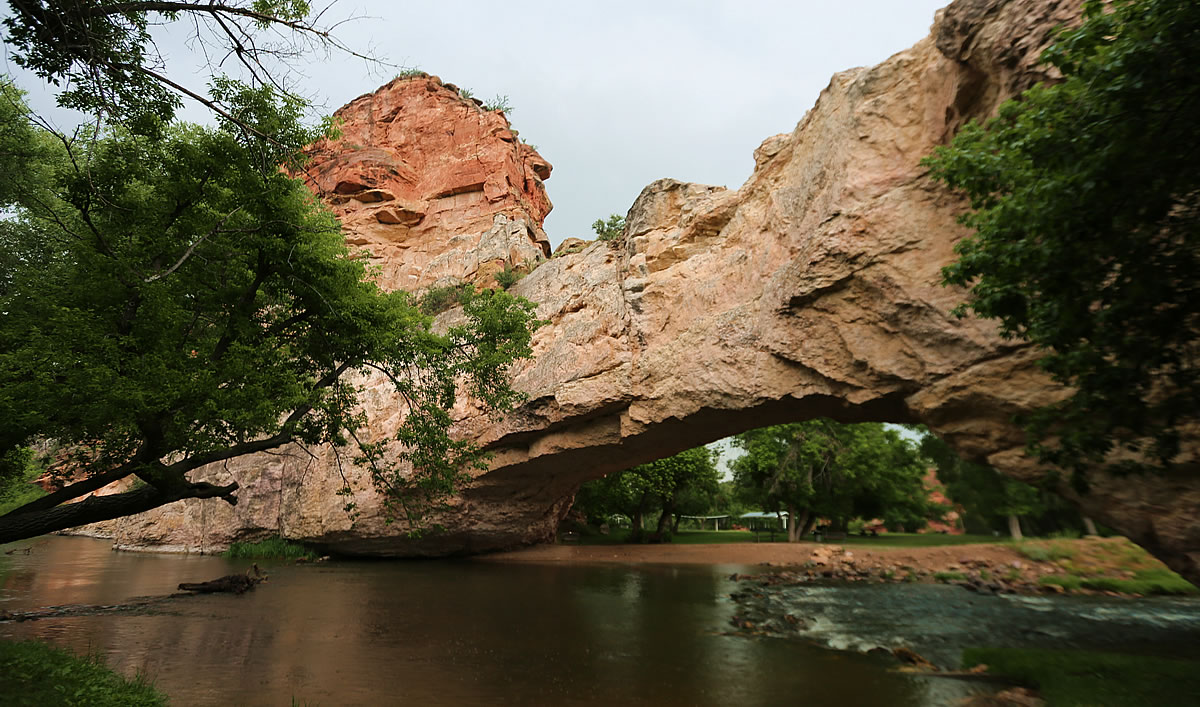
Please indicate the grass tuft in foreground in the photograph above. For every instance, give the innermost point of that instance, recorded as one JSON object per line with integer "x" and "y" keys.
{"x": 38, "y": 675}
{"x": 1067, "y": 678}
{"x": 273, "y": 548}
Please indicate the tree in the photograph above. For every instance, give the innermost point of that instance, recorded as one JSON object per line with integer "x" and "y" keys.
{"x": 664, "y": 484}
{"x": 982, "y": 491}
{"x": 1085, "y": 199}
{"x": 102, "y": 51}
{"x": 179, "y": 301}
{"x": 609, "y": 230}
{"x": 822, "y": 469}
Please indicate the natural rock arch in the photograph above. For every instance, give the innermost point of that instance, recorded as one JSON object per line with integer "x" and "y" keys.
{"x": 813, "y": 290}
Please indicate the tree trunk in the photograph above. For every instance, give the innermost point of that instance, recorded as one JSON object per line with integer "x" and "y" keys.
{"x": 798, "y": 524}
{"x": 675, "y": 525}
{"x": 30, "y": 524}
{"x": 664, "y": 520}
{"x": 1089, "y": 527}
{"x": 1014, "y": 527}
{"x": 635, "y": 521}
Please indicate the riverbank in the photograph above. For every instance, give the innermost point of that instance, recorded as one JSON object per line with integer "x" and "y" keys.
{"x": 1112, "y": 566}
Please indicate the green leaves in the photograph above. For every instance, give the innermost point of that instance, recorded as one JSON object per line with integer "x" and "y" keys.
{"x": 196, "y": 306}
{"x": 1084, "y": 198}
{"x": 832, "y": 470}
{"x": 611, "y": 229}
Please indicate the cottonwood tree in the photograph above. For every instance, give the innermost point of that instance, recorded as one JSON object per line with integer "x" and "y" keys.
{"x": 178, "y": 300}
{"x": 823, "y": 469}
{"x": 1085, "y": 200}
{"x": 663, "y": 485}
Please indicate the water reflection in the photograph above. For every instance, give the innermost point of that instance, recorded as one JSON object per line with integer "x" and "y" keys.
{"x": 434, "y": 633}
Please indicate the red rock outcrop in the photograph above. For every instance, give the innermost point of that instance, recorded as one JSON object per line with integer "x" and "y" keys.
{"x": 813, "y": 290}
{"x": 437, "y": 188}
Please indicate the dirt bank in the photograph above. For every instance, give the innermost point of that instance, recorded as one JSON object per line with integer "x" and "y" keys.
{"x": 931, "y": 559}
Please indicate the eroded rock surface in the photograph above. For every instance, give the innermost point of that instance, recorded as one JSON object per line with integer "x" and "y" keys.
{"x": 436, "y": 188}
{"x": 810, "y": 291}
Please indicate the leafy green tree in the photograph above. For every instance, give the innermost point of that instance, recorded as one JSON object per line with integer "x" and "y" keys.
{"x": 663, "y": 485}
{"x": 179, "y": 301}
{"x": 611, "y": 229}
{"x": 1085, "y": 200}
{"x": 102, "y": 52}
{"x": 983, "y": 492}
{"x": 822, "y": 469}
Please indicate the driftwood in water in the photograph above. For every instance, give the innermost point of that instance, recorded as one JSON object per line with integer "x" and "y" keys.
{"x": 236, "y": 583}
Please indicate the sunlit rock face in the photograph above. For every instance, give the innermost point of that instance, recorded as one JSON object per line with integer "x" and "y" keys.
{"x": 813, "y": 290}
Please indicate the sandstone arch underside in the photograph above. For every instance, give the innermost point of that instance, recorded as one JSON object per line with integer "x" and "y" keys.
{"x": 810, "y": 291}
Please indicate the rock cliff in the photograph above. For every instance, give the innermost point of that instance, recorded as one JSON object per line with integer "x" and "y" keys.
{"x": 810, "y": 291}
{"x": 435, "y": 187}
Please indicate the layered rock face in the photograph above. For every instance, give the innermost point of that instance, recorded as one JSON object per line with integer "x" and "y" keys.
{"x": 813, "y": 290}
{"x": 436, "y": 188}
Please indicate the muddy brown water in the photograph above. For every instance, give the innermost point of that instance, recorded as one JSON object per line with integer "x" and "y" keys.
{"x": 435, "y": 633}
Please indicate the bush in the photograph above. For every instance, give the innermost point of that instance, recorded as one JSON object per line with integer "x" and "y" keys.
{"x": 273, "y": 548}
{"x": 610, "y": 230}
{"x": 508, "y": 277}
{"x": 439, "y": 299}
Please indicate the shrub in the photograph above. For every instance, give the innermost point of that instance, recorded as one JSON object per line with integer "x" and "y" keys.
{"x": 439, "y": 299}
{"x": 611, "y": 229}
{"x": 508, "y": 277}
{"x": 273, "y": 548}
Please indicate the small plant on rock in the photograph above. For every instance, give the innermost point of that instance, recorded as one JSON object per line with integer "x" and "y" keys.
{"x": 499, "y": 103}
{"x": 611, "y": 229}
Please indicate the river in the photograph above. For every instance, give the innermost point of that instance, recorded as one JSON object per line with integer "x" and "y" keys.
{"x": 441, "y": 633}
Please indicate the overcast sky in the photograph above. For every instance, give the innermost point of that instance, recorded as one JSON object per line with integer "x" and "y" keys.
{"x": 616, "y": 94}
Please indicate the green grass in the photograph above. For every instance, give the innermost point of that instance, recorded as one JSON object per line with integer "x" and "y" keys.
{"x": 274, "y": 548}
{"x": 1147, "y": 581}
{"x": 919, "y": 540}
{"x": 38, "y": 675}
{"x": 949, "y": 576}
{"x": 1070, "y": 678}
{"x": 1045, "y": 552}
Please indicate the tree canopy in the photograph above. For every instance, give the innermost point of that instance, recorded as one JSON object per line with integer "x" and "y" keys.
{"x": 1085, "y": 199}
{"x": 102, "y": 54}
{"x": 178, "y": 300}
{"x": 681, "y": 483}
{"x": 823, "y": 469}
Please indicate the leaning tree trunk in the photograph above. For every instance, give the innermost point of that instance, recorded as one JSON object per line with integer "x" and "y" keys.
{"x": 1089, "y": 526}
{"x": 1014, "y": 527}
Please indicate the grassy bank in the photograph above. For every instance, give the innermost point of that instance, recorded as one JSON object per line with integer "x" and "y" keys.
{"x": 1109, "y": 565}
{"x": 1070, "y": 678}
{"x": 273, "y": 548}
{"x": 40, "y": 676}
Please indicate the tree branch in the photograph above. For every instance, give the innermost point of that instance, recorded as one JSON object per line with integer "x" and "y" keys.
{"x": 98, "y": 508}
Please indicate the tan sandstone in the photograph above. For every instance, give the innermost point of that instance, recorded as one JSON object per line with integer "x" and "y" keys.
{"x": 812, "y": 290}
